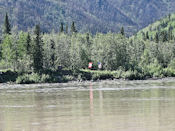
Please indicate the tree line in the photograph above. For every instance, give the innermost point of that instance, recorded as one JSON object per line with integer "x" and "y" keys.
{"x": 37, "y": 51}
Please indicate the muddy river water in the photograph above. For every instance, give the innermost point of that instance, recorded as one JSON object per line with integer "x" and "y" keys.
{"x": 91, "y": 106}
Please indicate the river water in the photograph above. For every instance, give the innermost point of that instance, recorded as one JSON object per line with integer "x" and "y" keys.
{"x": 91, "y": 106}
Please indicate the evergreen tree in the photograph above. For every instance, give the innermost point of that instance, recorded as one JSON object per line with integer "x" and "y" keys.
{"x": 157, "y": 37}
{"x": 52, "y": 53}
{"x": 62, "y": 28}
{"x": 122, "y": 32}
{"x": 170, "y": 33}
{"x": 87, "y": 37}
{"x": 143, "y": 36}
{"x": 73, "y": 28}
{"x": 147, "y": 35}
{"x": 38, "y": 51}
{"x": 7, "y": 28}
{"x": 164, "y": 36}
{"x": 28, "y": 44}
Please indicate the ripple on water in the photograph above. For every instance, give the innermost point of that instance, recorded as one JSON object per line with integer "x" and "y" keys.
{"x": 17, "y": 106}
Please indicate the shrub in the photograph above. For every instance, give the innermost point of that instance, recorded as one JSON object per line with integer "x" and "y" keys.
{"x": 67, "y": 78}
{"x": 169, "y": 72}
{"x": 32, "y": 78}
{"x": 172, "y": 64}
{"x": 24, "y": 79}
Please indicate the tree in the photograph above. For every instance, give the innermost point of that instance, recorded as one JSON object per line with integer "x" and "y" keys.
{"x": 52, "y": 53}
{"x": 38, "y": 51}
{"x": 157, "y": 37}
{"x": 147, "y": 35}
{"x": 62, "y": 28}
{"x": 170, "y": 33}
{"x": 164, "y": 36}
{"x": 143, "y": 36}
{"x": 7, "y": 28}
{"x": 73, "y": 28}
{"x": 28, "y": 44}
{"x": 10, "y": 51}
{"x": 122, "y": 32}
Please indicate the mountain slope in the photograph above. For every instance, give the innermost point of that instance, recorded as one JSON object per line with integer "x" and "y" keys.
{"x": 164, "y": 29}
{"x": 89, "y": 15}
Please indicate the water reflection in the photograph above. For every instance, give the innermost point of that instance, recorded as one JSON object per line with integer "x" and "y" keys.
{"x": 91, "y": 97}
{"x": 90, "y": 107}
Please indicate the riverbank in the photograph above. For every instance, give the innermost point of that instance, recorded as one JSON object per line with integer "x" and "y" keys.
{"x": 64, "y": 76}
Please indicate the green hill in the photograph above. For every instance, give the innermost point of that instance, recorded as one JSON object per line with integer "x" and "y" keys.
{"x": 164, "y": 29}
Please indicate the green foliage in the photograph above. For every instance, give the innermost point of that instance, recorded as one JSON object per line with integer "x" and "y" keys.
{"x": 162, "y": 30}
{"x": 154, "y": 69}
{"x": 61, "y": 57}
{"x": 172, "y": 64}
{"x": 28, "y": 44}
{"x": 32, "y": 78}
{"x": 38, "y": 51}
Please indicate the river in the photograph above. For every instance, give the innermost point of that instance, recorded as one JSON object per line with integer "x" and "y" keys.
{"x": 90, "y": 106}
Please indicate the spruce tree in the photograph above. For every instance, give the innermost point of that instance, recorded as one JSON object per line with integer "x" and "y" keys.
{"x": 164, "y": 36}
{"x": 38, "y": 51}
{"x": 52, "y": 44}
{"x": 73, "y": 28}
{"x": 147, "y": 35}
{"x": 87, "y": 37}
{"x": 28, "y": 44}
{"x": 7, "y": 28}
{"x": 122, "y": 32}
{"x": 61, "y": 28}
{"x": 157, "y": 37}
{"x": 170, "y": 33}
{"x": 143, "y": 36}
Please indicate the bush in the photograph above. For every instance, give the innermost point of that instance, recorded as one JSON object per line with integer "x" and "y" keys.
{"x": 172, "y": 64}
{"x": 67, "y": 78}
{"x": 24, "y": 79}
{"x": 133, "y": 75}
{"x": 32, "y": 78}
{"x": 45, "y": 78}
{"x": 169, "y": 72}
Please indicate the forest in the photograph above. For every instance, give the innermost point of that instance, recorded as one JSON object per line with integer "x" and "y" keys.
{"x": 90, "y": 15}
{"x": 37, "y": 57}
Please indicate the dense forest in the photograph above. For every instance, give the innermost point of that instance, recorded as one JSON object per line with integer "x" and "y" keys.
{"x": 90, "y": 15}
{"x": 28, "y": 57}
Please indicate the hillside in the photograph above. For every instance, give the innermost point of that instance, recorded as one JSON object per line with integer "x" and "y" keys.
{"x": 164, "y": 29}
{"x": 89, "y": 15}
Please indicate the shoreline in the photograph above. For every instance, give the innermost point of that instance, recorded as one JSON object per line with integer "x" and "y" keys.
{"x": 168, "y": 79}
{"x": 80, "y": 76}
